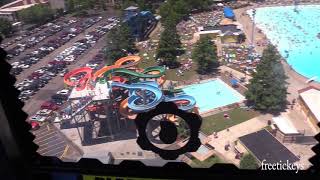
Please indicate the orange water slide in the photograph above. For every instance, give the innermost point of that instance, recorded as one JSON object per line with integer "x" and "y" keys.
{"x": 125, "y": 111}
{"x": 82, "y": 84}
{"x": 160, "y": 80}
{"x": 124, "y": 62}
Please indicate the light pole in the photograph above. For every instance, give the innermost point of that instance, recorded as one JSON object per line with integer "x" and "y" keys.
{"x": 252, "y": 34}
{"x": 296, "y": 3}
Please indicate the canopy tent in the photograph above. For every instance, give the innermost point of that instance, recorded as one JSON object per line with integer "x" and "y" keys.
{"x": 228, "y": 13}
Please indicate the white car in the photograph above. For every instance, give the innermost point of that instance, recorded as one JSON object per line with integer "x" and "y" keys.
{"x": 40, "y": 71}
{"x": 15, "y": 64}
{"x": 44, "y": 112}
{"x": 27, "y": 92}
{"x": 23, "y": 66}
{"x": 20, "y": 84}
{"x": 37, "y": 118}
{"x": 92, "y": 66}
{"x": 63, "y": 92}
{"x": 27, "y": 81}
{"x": 69, "y": 58}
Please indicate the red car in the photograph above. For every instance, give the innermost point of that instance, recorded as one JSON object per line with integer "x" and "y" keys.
{"x": 34, "y": 125}
{"x": 49, "y": 105}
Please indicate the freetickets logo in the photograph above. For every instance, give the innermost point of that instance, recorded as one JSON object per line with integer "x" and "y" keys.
{"x": 281, "y": 166}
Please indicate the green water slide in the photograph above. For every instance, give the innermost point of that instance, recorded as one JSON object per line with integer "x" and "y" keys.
{"x": 143, "y": 74}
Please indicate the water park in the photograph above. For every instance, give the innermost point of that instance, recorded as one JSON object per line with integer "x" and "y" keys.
{"x": 119, "y": 90}
{"x": 95, "y": 100}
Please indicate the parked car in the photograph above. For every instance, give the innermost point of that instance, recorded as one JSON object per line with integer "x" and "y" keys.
{"x": 44, "y": 112}
{"x": 63, "y": 92}
{"x": 50, "y": 105}
{"x": 37, "y": 118}
{"x": 34, "y": 125}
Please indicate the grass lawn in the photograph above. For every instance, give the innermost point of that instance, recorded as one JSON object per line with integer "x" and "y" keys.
{"x": 171, "y": 73}
{"x": 206, "y": 163}
{"x": 218, "y": 122}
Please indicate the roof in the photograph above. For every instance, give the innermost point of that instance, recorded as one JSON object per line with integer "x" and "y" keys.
{"x": 311, "y": 98}
{"x": 225, "y": 28}
{"x": 18, "y": 3}
{"x": 130, "y": 8}
{"x": 100, "y": 92}
{"x": 156, "y": 162}
{"x": 17, "y": 8}
{"x": 266, "y": 147}
{"x": 285, "y": 125}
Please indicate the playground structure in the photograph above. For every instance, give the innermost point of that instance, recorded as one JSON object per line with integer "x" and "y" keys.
{"x": 99, "y": 100}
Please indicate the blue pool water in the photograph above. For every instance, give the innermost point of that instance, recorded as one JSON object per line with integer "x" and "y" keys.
{"x": 294, "y": 34}
{"x": 213, "y": 94}
{"x": 203, "y": 150}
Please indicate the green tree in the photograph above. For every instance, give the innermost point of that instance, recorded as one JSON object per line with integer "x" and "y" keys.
{"x": 169, "y": 46}
{"x": 205, "y": 54}
{"x": 70, "y": 5}
{"x": 248, "y": 162}
{"x": 5, "y": 27}
{"x": 37, "y": 14}
{"x": 145, "y": 5}
{"x": 120, "y": 43}
{"x": 267, "y": 90}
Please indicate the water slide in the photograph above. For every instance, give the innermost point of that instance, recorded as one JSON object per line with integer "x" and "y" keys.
{"x": 135, "y": 103}
{"x": 153, "y": 95}
{"x": 184, "y": 102}
{"x": 124, "y": 62}
{"x": 82, "y": 84}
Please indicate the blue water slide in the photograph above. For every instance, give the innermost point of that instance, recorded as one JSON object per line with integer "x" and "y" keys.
{"x": 186, "y": 107}
{"x": 136, "y": 101}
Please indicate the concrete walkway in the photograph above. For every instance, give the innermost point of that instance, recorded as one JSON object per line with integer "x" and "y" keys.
{"x": 225, "y": 137}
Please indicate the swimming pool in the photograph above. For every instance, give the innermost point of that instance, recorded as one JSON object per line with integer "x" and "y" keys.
{"x": 295, "y": 33}
{"x": 203, "y": 150}
{"x": 213, "y": 94}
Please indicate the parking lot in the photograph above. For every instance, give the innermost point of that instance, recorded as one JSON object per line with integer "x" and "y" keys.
{"x": 52, "y": 143}
{"x": 42, "y": 81}
{"x": 56, "y": 83}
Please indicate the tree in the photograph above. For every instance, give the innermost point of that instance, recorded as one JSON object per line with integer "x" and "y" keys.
{"x": 169, "y": 46}
{"x": 205, "y": 54}
{"x": 5, "y": 27}
{"x": 120, "y": 43}
{"x": 70, "y": 6}
{"x": 267, "y": 90}
{"x": 248, "y": 162}
{"x": 37, "y": 14}
{"x": 145, "y": 5}
{"x": 3, "y": 2}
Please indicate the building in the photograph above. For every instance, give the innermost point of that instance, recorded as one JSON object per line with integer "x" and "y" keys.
{"x": 309, "y": 100}
{"x": 10, "y": 10}
{"x": 141, "y": 23}
{"x": 231, "y": 33}
{"x": 266, "y": 148}
{"x": 57, "y": 4}
{"x": 284, "y": 130}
